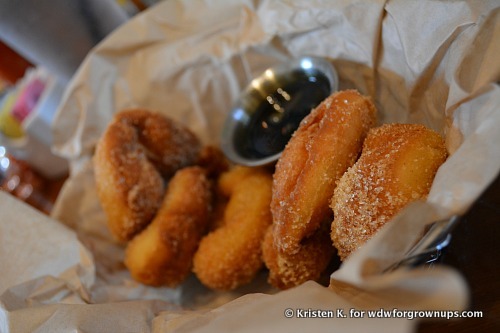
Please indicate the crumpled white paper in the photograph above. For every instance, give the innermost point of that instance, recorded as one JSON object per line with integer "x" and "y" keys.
{"x": 432, "y": 63}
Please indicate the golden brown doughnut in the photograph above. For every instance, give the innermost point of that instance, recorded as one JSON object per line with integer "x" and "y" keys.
{"x": 135, "y": 151}
{"x": 231, "y": 255}
{"x": 397, "y": 166}
{"x": 213, "y": 160}
{"x": 162, "y": 254}
{"x": 326, "y": 143}
{"x": 287, "y": 270}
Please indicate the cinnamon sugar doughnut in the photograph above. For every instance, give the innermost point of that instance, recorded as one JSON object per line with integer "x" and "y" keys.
{"x": 162, "y": 254}
{"x": 231, "y": 255}
{"x": 213, "y": 160}
{"x": 326, "y": 143}
{"x": 287, "y": 270}
{"x": 135, "y": 151}
{"x": 397, "y": 166}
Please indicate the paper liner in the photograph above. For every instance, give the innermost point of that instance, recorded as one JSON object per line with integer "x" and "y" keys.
{"x": 433, "y": 63}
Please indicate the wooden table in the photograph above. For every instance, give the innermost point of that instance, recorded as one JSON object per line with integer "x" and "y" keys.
{"x": 474, "y": 251}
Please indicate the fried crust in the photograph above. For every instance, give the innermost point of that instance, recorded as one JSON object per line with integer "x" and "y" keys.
{"x": 397, "y": 166}
{"x": 289, "y": 270}
{"x": 230, "y": 256}
{"x": 327, "y": 142}
{"x": 137, "y": 150}
{"x": 162, "y": 254}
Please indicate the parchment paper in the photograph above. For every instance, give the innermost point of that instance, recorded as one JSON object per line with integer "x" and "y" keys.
{"x": 427, "y": 62}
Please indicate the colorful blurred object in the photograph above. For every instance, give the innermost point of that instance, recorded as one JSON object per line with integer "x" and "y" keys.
{"x": 28, "y": 99}
{"x": 26, "y": 112}
{"x": 19, "y": 179}
{"x": 9, "y": 125}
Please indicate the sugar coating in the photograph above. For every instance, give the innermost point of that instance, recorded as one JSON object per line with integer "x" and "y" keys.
{"x": 397, "y": 166}
{"x": 138, "y": 150}
{"x": 327, "y": 142}
{"x": 161, "y": 254}
{"x": 230, "y": 256}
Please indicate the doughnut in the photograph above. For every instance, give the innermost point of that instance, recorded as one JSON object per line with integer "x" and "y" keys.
{"x": 289, "y": 270}
{"x": 213, "y": 160}
{"x": 327, "y": 142}
{"x": 162, "y": 254}
{"x": 231, "y": 255}
{"x": 138, "y": 149}
{"x": 397, "y": 166}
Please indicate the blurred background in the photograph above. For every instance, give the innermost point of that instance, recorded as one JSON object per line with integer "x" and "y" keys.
{"x": 42, "y": 44}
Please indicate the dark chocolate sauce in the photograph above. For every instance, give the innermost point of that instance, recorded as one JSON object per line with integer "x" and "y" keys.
{"x": 279, "y": 114}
